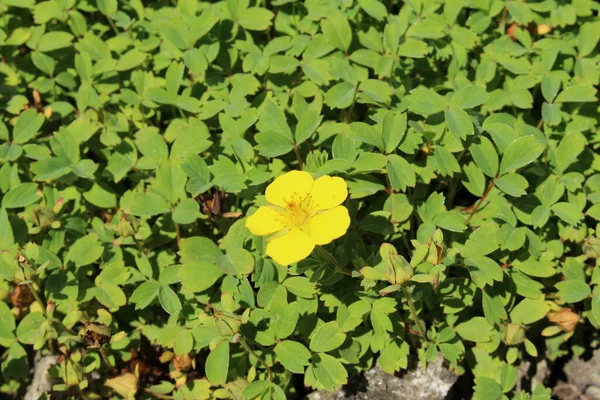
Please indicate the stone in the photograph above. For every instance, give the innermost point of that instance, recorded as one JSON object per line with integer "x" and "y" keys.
{"x": 42, "y": 381}
{"x": 584, "y": 375}
{"x": 434, "y": 383}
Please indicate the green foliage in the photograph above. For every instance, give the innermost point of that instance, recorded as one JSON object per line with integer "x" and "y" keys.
{"x": 135, "y": 136}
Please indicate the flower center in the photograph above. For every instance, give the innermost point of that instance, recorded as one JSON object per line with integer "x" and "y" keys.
{"x": 298, "y": 211}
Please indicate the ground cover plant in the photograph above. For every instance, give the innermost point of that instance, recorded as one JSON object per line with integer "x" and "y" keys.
{"x": 254, "y": 200}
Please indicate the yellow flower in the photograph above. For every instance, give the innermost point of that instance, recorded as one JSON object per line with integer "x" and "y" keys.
{"x": 302, "y": 213}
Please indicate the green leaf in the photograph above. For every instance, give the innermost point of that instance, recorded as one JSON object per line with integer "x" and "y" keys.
{"x": 169, "y": 300}
{"x": 568, "y": 212}
{"x": 30, "y": 330}
{"x": 445, "y": 161}
{"x": 340, "y": 95}
{"x": 529, "y": 311}
{"x": 217, "y": 364}
{"x": 374, "y": 8}
{"x": 520, "y": 153}
{"x": 144, "y": 294}
{"x": 484, "y": 270}
{"x": 186, "y": 212}
{"x": 533, "y": 267}
{"x": 459, "y": 123}
{"x": 21, "y": 195}
{"x": 588, "y": 37}
{"x": 101, "y": 196}
{"x": 330, "y": 373}
{"x": 307, "y": 125}
{"x": 85, "y": 250}
{"x": 487, "y": 388}
{"x": 54, "y": 40}
{"x": 550, "y": 86}
{"x": 393, "y": 130}
{"x": 477, "y": 329}
{"x": 300, "y": 286}
{"x": 255, "y": 18}
{"x": 130, "y": 60}
{"x": 576, "y": 94}
{"x": 197, "y": 276}
{"x": 512, "y": 184}
{"x": 236, "y": 262}
{"x": 327, "y": 337}
{"x": 400, "y": 173}
{"x": 428, "y": 28}
{"x": 148, "y": 204}
{"x": 27, "y": 126}
{"x": 482, "y": 241}
{"x": 183, "y": 342}
{"x": 366, "y": 133}
{"x": 292, "y": 355}
{"x": 337, "y": 30}
{"x": 378, "y": 91}
{"x": 469, "y": 97}
{"x": 451, "y": 221}
{"x": 573, "y": 291}
{"x": 485, "y": 156}
{"x": 426, "y": 102}
{"x": 569, "y": 148}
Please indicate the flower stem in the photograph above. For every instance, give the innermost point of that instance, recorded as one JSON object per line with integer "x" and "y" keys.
{"x": 259, "y": 358}
{"x": 37, "y": 297}
{"x": 297, "y": 151}
{"x": 332, "y": 259}
{"x": 105, "y": 359}
{"x": 413, "y": 310}
{"x": 487, "y": 191}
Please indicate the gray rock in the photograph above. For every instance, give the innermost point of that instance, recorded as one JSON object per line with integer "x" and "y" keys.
{"x": 585, "y": 375}
{"x": 431, "y": 384}
{"x": 42, "y": 382}
{"x": 529, "y": 374}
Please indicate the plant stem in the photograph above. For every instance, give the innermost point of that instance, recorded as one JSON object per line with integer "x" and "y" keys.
{"x": 37, "y": 297}
{"x": 485, "y": 194}
{"x": 413, "y": 310}
{"x": 297, "y": 151}
{"x": 259, "y": 358}
{"x": 178, "y": 233}
{"x": 351, "y": 109}
{"x": 332, "y": 259}
{"x": 105, "y": 359}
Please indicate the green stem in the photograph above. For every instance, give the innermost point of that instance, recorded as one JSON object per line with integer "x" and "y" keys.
{"x": 259, "y": 358}
{"x": 413, "y": 310}
{"x": 37, "y": 297}
{"x": 299, "y": 157}
{"x": 351, "y": 109}
{"x": 485, "y": 194}
{"x": 105, "y": 359}
{"x": 332, "y": 259}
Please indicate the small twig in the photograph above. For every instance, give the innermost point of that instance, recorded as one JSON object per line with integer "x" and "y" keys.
{"x": 178, "y": 233}
{"x": 37, "y": 297}
{"x": 157, "y": 395}
{"x": 351, "y": 109}
{"x": 112, "y": 25}
{"x": 297, "y": 151}
{"x": 259, "y": 358}
{"x": 332, "y": 259}
{"x": 413, "y": 310}
{"x": 487, "y": 191}
{"x": 105, "y": 359}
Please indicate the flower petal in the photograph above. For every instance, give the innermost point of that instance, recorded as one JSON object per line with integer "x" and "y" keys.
{"x": 284, "y": 187}
{"x": 290, "y": 248}
{"x": 329, "y": 225}
{"x": 264, "y": 221}
{"x": 328, "y": 192}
